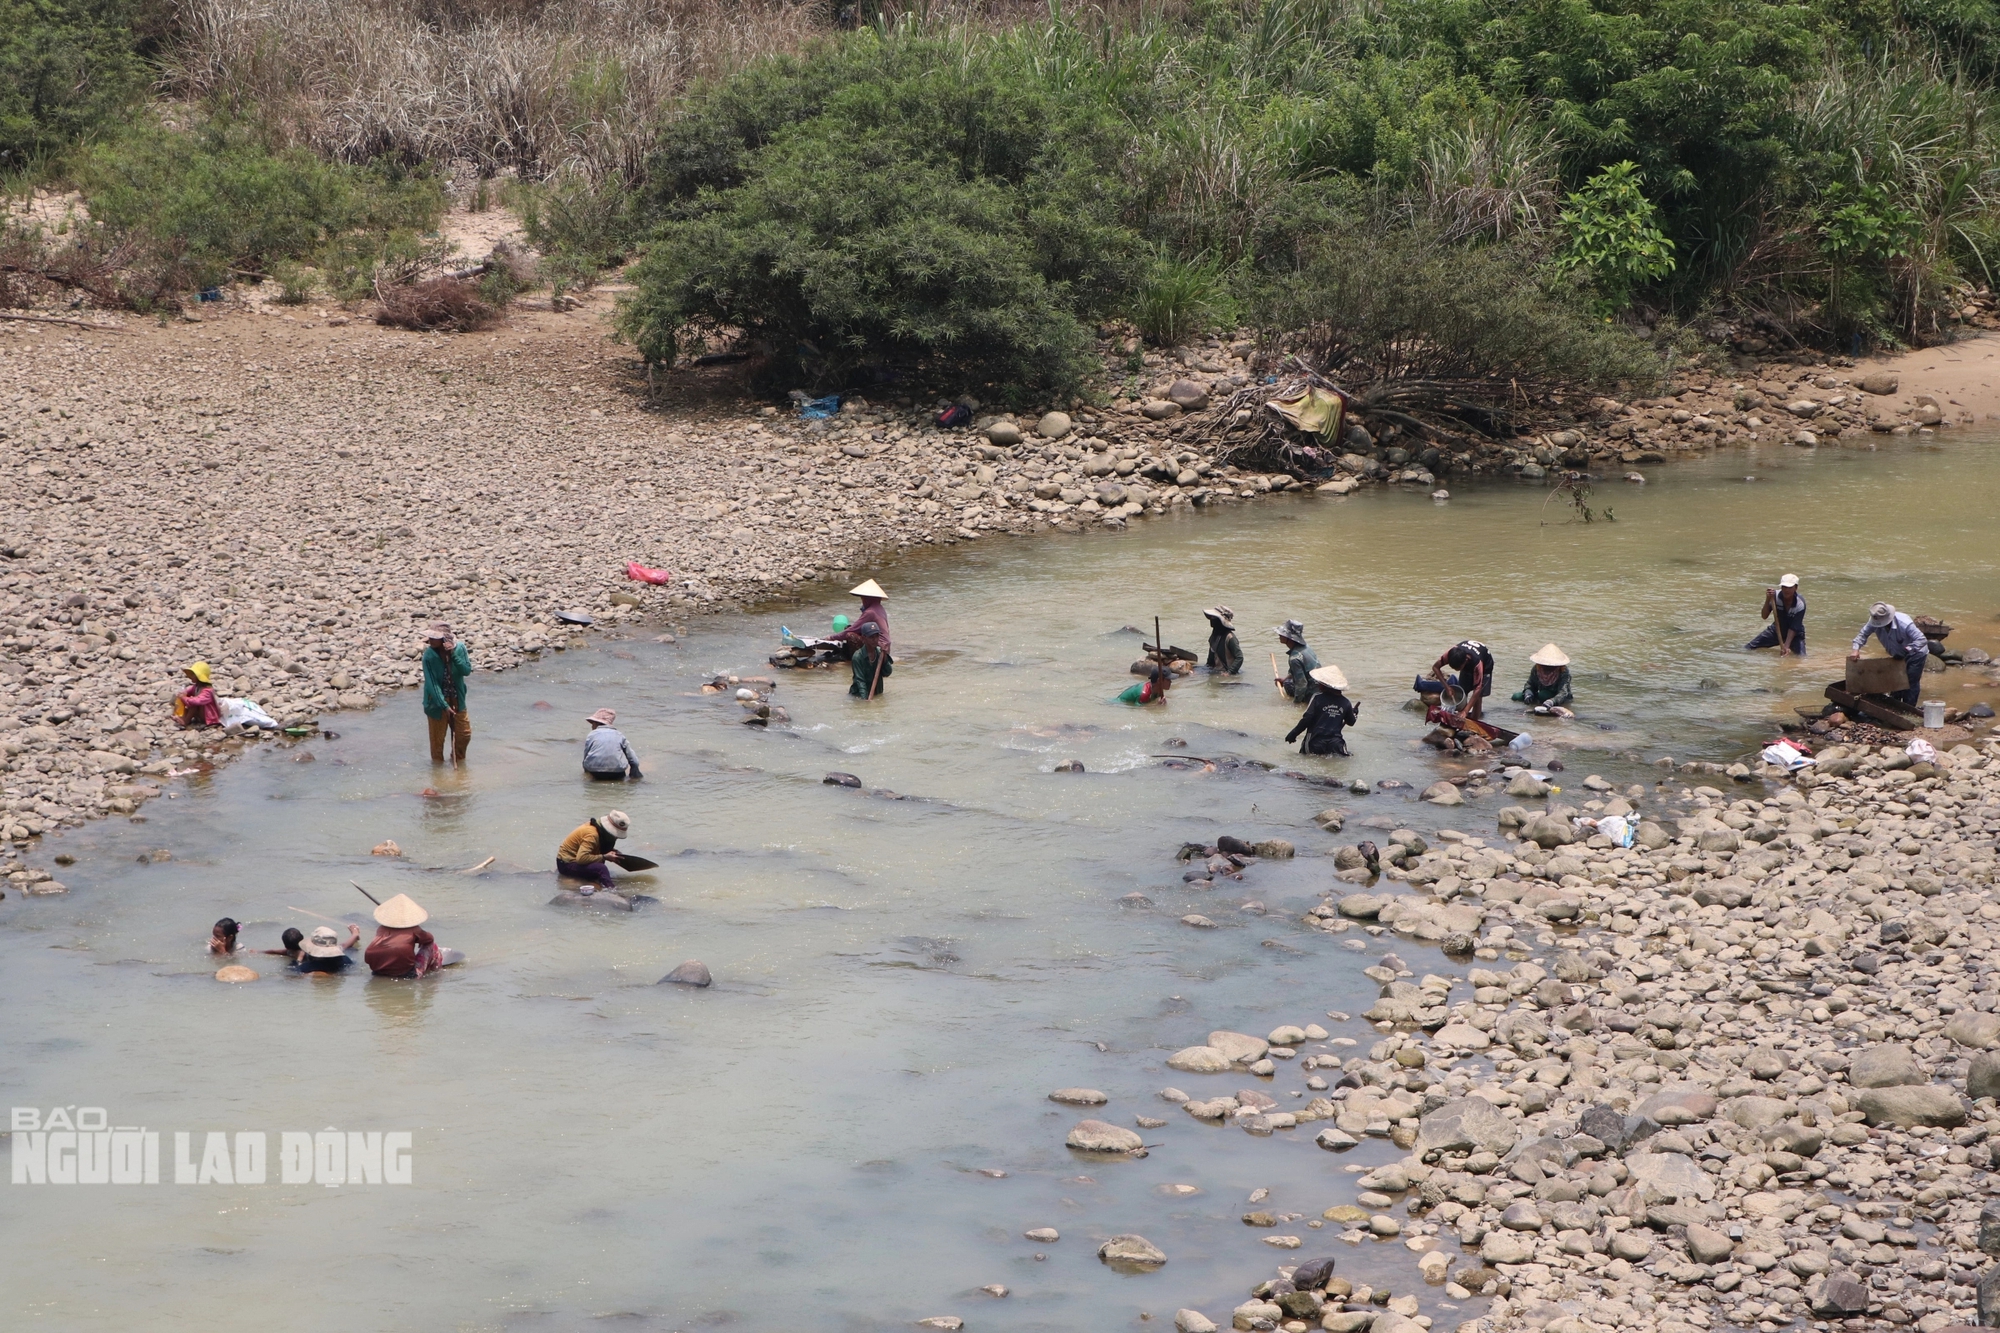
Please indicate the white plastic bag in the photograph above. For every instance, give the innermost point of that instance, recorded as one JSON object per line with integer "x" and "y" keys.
{"x": 245, "y": 713}
{"x": 1785, "y": 755}
{"x": 1617, "y": 828}
{"x": 1922, "y": 751}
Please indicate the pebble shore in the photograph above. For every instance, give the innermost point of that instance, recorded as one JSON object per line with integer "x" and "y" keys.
{"x": 1739, "y": 1075}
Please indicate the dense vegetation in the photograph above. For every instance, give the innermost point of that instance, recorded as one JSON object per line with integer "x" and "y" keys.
{"x": 1451, "y": 190}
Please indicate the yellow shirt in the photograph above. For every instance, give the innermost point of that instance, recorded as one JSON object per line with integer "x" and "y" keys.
{"x": 580, "y": 845}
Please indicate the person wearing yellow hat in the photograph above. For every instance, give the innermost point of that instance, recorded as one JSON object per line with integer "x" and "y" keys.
{"x": 196, "y": 705}
{"x": 1548, "y": 679}
{"x": 1329, "y": 713}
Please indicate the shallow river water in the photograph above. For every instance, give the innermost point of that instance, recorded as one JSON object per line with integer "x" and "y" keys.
{"x": 900, "y": 982}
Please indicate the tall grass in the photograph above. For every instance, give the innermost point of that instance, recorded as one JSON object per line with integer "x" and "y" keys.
{"x": 538, "y": 88}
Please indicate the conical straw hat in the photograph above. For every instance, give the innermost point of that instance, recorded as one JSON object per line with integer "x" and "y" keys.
{"x": 869, "y": 589}
{"x": 1329, "y": 675}
{"x": 400, "y": 913}
{"x": 1550, "y": 655}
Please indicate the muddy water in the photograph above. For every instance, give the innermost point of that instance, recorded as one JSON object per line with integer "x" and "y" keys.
{"x": 901, "y": 979}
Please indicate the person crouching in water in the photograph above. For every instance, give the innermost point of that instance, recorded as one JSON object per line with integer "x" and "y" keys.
{"x": 1225, "y": 650}
{"x": 1151, "y": 690}
{"x": 402, "y": 947}
{"x": 1329, "y": 713}
{"x": 607, "y": 757}
{"x": 584, "y": 853}
{"x": 1548, "y": 684}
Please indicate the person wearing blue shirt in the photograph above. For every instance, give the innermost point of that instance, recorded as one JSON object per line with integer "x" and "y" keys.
{"x": 1901, "y": 637}
{"x": 1785, "y": 608}
{"x": 607, "y": 757}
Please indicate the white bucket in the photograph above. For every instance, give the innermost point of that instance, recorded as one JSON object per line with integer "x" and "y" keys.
{"x": 1933, "y": 713}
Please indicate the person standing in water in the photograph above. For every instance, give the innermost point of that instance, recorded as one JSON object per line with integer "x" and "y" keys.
{"x": 1785, "y": 608}
{"x": 446, "y": 666}
{"x": 1225, "y": 651}
{"x": 1300, "y": 663}
{"x": 868, "y": 637}
{"x": 1904, "y": 641}
{"x": 1328, "y": 714}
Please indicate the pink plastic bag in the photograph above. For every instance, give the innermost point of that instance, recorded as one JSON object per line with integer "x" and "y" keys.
{"x": 638, "y": 572}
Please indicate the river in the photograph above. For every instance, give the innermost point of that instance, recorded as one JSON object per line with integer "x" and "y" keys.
{"x": 900, "y": 979}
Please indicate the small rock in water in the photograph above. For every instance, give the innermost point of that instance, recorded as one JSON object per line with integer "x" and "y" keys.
{"x": 1078, "y": 1097}
{"x": 1043, "y": 1235}
{"x": 1135, "y": 899}
{"x": 943, "y": 1321}
{"x": 1131, "y": 1252}
{"x": 841, "y": 780}
{"x": 1198, "y": 921}
{"x": 693, "y": 972}
{"x": 994, "y": 1289}
{"x": 235, "y": 973}
{"x": 386, "y": 847}
{"x": 1102, "y": 1136}
{"x": 1070, "y": 766}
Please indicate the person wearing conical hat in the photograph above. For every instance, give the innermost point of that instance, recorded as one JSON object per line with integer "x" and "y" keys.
{"x": 1225, "y": 651}
{"x": 1300, "y": 663}
{"x": 1548, "y": 679}
{"x": 1329, "y": 713}
{"x": 402, "y": 947}
{"x": 868, "y": 642}
{"x": 196, "y": 706}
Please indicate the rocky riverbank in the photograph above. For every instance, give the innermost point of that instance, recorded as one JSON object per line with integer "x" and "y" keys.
{"x": 1741, "y": 1074}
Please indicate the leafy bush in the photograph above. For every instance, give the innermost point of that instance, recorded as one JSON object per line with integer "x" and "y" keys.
{"x": 582, "y": 226}
{"x": 899, "y": 210}
{"x": 219, "y": 201}
{"x": 1611, "y": 236}
{"x": 1417, "y": 325}
{"x": 68, "y": 69}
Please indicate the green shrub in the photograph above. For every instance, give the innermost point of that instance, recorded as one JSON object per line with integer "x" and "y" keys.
{"x": 68, "y": 70}
{"x": 218, "y": 201}
{"x": 1181, "y": 299}
{"x": 1612, "y": 237}
{"x": 897, "y": 207}
{"x": 581, "y": 226}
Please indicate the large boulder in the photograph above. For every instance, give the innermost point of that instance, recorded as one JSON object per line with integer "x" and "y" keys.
{"x": 1971, "y": 1028}
{"x": 1670, "y": 1173}
{"x": 1983, "y": 1078}
{"x": 1053, "y": 425}
{"x": 1881, "y": 383}
{"x": 1188, "y": 396}
{"x": 1906, "y": 1106}
{"x": 1466, "y": 1125}
{"x": 1885, "y": 1066}
{"x": 1506, "y": 1247}
{"x": 1444, "y": 793}
{"x": 1547, "y": 831}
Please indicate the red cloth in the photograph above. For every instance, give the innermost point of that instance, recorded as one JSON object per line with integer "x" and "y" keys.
{"x": 406, "y": 952}
{"x": 641, "y": 574}
{"x": 201, "y": 708}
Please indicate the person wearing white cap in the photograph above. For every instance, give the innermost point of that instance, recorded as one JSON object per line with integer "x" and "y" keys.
{"x": 1785, "y": 608}
{"x": 607, "y": 756}
{"x": 1902, "y": 638}
{"x": 1329, "y": 713}
{"x": 1225, "y": 650}
{"x": 1548, "y": 679}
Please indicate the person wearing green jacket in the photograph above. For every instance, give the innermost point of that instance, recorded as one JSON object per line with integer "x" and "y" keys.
{"x": 446, "y": 666}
